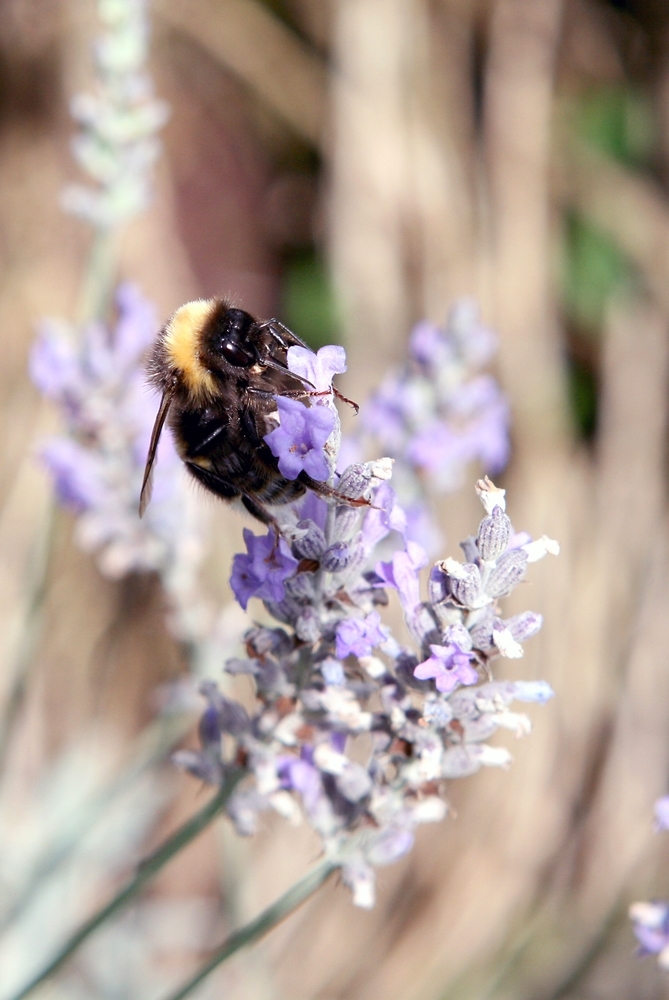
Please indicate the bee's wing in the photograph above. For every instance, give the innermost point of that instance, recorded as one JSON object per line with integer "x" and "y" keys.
{"x": 147, "y": 482}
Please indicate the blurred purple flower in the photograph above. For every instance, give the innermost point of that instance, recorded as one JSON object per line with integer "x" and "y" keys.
{"x": 662, "y": 813}
{"x": 422, "y": 528}
{"x": 651, "y": 926}
{"x": 437, "y": 445}
{"x": 383, "y": 418}
{"x": 53, "y": 362}
{"x": 449, "y": 666}
{"x": 358, "y": 636}
{"x": 428, "y": 345}
{"x": 385, "y": 516}
{"x": 261, "y": 572}
{"x": 300, "y": 775}
{"x": 320, "y": 368}
{"x": 76, "y": 472}
{"x": 402, "y": 574}
{"x": 299, "y": 440}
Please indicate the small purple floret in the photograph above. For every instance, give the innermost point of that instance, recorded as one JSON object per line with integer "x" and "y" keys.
{"x": 449, "y": 666}
{"x": 298, "y": 441}
{"x": 261, "y": 572}
{"x": 359, "y": 636}
{"x": 320, "y": 368}
{"x": 402, "y": 574}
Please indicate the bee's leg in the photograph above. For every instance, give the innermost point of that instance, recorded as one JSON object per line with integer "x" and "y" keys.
{"x": 345, "y": 399}
{"x": 330, "y": 493}
{"x": 263, "y": 515}
{"x": 276, "y": 328}
{"x": 326, "y": 392}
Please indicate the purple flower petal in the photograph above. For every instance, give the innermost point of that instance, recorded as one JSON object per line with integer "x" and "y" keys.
{"x": 76, "y": 472}
{"x": 261, "y": 572}
{"x": 358, "y": 636}
{"x": 402, "y": 574}
{"x": 320, "y": 368}
{"x": 54, "y": 367}
{"x": 448, "y": 666}
{"x": 662, "y": 813}
{"x": 298, "y": 442}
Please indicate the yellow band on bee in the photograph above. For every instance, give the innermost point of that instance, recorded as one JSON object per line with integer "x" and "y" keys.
{"x": 182, "y": 344}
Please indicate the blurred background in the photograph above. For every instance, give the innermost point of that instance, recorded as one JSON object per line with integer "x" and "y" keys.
{"x": 352, "y": 166}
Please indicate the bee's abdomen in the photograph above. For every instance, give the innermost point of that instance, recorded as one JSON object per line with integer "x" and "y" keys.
{"x": 230, "y": 458}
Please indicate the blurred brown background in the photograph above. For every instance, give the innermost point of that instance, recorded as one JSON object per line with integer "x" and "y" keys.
{"x": 352, "y": 166}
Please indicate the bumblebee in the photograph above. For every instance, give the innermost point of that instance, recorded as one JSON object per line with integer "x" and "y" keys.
{"x": 219, "y": 371}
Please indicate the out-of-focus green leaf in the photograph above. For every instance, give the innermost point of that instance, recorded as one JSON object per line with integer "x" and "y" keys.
{"x": 308, "y": 302}
{"x": 594, "y": 269}
{"x": 618, "y": 121}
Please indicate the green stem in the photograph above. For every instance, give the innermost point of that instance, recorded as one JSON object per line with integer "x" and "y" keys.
{"x": 147, "y": 869}
{"x": 151, "y": 747}
{"x": 98, "y": 282}
{"x": 264, "y": 922}
{"x": 31, "y": 632}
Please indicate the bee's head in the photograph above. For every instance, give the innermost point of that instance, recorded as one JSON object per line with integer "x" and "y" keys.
{"x": 207, "y": 341}
{"x": 230, "y": 336}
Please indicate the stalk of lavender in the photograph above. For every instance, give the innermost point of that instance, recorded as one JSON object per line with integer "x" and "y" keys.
{"x": 651, "y": 919}
{"x": 116, "y": 145}
{"x": 438, "y": 413}
{"x": 93, "y": 370}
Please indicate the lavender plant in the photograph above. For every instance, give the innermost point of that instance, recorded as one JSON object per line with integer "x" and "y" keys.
{"x": 439, "y": 413}
{"x": 330, "y": 675}
{"x": 651, "y": 919}
{"x": 98, "y": 382}
{"x": 352, "y": 729}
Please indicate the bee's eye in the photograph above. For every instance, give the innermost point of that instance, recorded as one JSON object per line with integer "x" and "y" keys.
{"x": 237, "y": 355}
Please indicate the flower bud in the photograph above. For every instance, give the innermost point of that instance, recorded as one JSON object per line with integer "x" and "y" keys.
{"x": 355, "y": 480}
{"x": 470, "y": 549}
{"x": 466, "y": 586}
{"x": 268, "y": 640}
{"x": 524, "y": 625}
{"x": 508, "y": 572}
{"x": 437, "y": 586}
{"x": 459, "y": 635}
{"x": 493, "y": 536}
{"x": 200, "y": 765}
{"x": 300, "y": 587}
{"x": 221, "y": 716}
{"x": 309, "y": 542}
{"x": 481, "y": 635}
{"x": 491, "y": 496}
{"x": 354, "y": 783}
{"x": 346, "y": 521}
{"x": 308, "y": 626}
{"x": 337, "y": 557}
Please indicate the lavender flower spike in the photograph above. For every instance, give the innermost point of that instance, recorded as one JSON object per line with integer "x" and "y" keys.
{"x": 331, "y": 670}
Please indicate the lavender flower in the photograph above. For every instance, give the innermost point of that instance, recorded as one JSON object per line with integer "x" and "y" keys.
{"x": 117, "y": 145}
{"x": 299, "y": 440}
{"x": 437, "y": 415}
{"x": 263, "y": 570}
{"x": 449, "y": 666}
{"x": 359, "y": 636}
{"x": 318, "y": 369}
{"x": 97, "y": 465}
{"x": 662, "y": 813}
{"x": 331, "y": 670}
{"x": 651, "y": 920}
{"x": 651, "y": 928}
